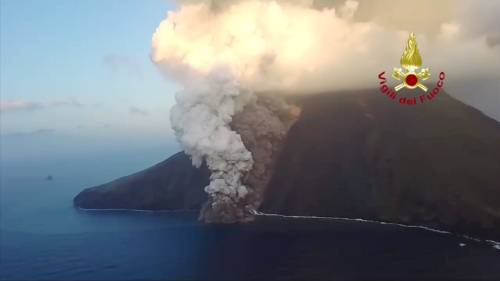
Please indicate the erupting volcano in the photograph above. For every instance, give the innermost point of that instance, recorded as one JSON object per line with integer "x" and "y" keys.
{"x": 273, "y": 117}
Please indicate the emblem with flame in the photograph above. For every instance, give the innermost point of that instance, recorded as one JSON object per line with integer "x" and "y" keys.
{"x": 410, "y": 76}
{"x": 411, "y": 61}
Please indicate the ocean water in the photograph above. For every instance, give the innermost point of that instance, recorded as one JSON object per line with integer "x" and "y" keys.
{"x": 43, "y": 237}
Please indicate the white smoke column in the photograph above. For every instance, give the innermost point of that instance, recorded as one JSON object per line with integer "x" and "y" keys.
{"x": 200, "y": 119}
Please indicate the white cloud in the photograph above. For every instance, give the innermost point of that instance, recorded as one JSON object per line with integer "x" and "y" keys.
{"x": 289, "y": 45}
{"x": 24, "y": 105}
{"x": 18, "y": 105}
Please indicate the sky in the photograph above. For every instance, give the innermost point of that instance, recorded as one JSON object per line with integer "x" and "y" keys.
{"x": 80, "y": 72}
{"x": 71, "y": 66}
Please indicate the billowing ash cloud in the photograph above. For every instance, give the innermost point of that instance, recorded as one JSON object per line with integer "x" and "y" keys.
{"x": 201, "y": 121}
{"x": 267, "y": 45}
{"x": 311, "y": 46}
{"x": 225, "y": 53}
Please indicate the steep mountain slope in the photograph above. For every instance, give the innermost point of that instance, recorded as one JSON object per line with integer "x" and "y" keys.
{"x": 362, "y": 155}
{"x": 169, "y": 185}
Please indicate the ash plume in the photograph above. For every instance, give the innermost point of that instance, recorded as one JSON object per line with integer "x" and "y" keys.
{"x": 225, "y": 54}
{"x": 201, "y": 121}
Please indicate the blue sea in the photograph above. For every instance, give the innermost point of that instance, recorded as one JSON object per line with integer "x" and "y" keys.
{"x": 43, "y": 237}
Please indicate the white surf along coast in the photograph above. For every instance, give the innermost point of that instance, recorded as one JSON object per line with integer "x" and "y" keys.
{"x": 494, "y": 244}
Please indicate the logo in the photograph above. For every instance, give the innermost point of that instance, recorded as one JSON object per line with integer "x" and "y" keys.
{"x": 411, "y": 76}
